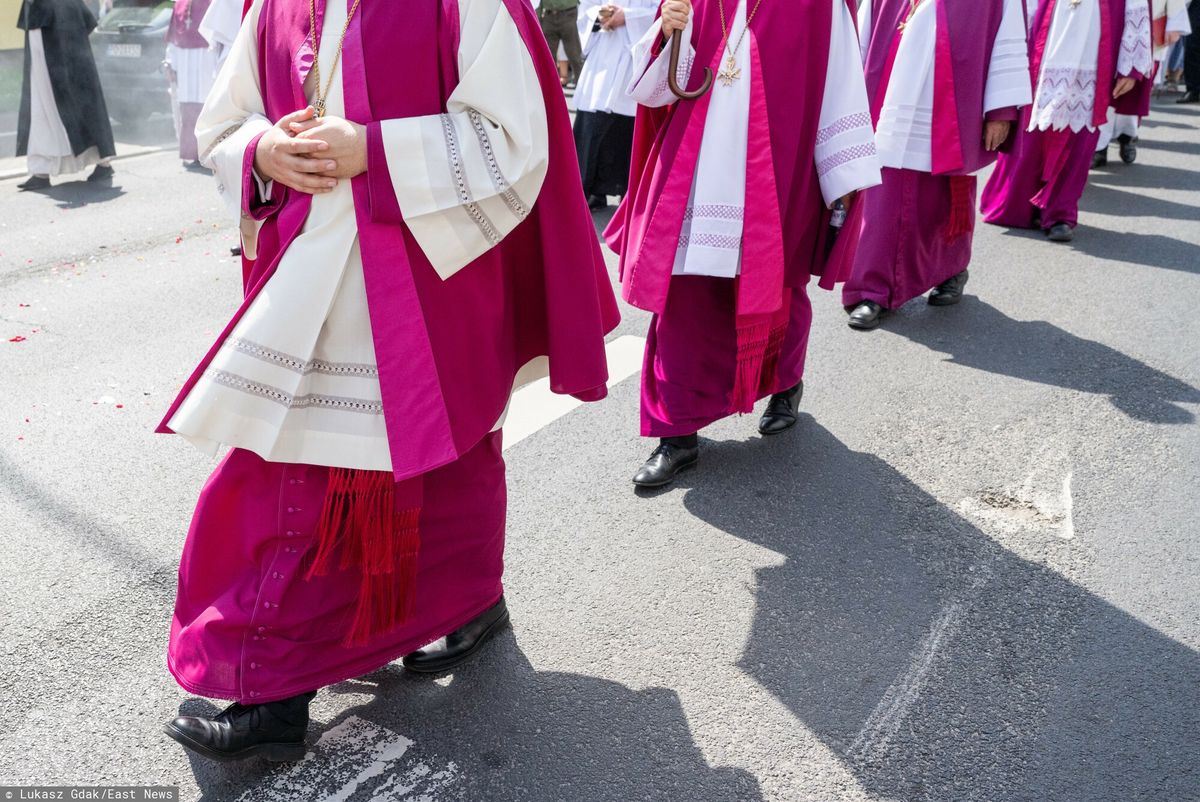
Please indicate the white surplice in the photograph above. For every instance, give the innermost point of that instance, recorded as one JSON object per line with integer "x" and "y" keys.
{"x": 1065, "y": 94}
{"x": 904, "y": 135}
{"x": 220, "y": 27}
{"x": 609, "y": 56}
{"x": 710, "y": 243}
{"x": 297, "y": 381}
{"x": 195, "y": 71}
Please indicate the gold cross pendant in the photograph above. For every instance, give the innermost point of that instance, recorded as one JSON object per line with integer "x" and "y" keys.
{"x": 730, "y": 72}
{"x": 1075, "y": 4}
{"x": 319, "y": 109}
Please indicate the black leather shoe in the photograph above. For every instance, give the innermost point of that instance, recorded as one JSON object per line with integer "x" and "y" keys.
{"x": 1128, "y": 148}
{"x": 461, "y": 644}
{"x": 34, "y": 183}
{"x": 1189, "y": 97}
{"x": 1100, "y": 159}
{"x": 103, "y": 174}
{"x": 1060, "y": 232}
{"x": 597, "y": 202}
{"x": 867, "y": 315}
{"x": 673, "y": 456}
{"x": 782, "y": 411}
{"x": 274, "y": 731}
{"x": 950, "y": 291}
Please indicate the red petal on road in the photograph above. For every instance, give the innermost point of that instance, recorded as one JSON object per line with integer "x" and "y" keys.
{"x": 22, "y": 306}
{"x": 17, "y": 339}
{"x": 178, "y": 240}
{"x": 120, "y": 406}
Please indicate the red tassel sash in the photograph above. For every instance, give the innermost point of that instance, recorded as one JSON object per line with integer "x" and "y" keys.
{"x": 962, "y": 207}
{"x": 373, "y": 523}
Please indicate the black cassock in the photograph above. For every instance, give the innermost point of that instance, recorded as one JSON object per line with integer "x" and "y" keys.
{"x": 65, "y": 25}
{"x": 605, "y": 143}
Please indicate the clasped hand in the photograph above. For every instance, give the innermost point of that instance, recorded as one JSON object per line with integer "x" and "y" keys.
{"x": 311, "y": 154}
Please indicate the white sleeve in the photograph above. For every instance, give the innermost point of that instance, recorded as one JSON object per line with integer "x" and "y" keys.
{"x": 1008, "y": 72}
{"x": 589, "y": 12}
{"x": 465, "y": 179}
{"x": 220, "y": 24}
{"x": 234, "y": 113}
{"x": 845, "y": 154}
{"x": 1178, "y": 22}
{"x": 864, "y": 27}
{"x": 639, "y": 18}
{"x": 1136, "y": 44}
{"x": 649, "y": 85}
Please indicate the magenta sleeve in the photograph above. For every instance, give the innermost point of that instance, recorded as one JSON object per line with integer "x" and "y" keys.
{"x": 252, "y": 204}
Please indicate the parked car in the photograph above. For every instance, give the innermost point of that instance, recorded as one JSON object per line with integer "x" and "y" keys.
{"x": 129, "y": 45}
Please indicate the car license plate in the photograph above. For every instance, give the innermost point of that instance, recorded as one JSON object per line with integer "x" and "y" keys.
{"x": 125, "y": 50}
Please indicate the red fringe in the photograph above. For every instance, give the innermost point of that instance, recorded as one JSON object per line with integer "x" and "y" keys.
{"x": 962, "y": 208}
{"x": 752, "y": 339}
{"x": 360, "y": 520}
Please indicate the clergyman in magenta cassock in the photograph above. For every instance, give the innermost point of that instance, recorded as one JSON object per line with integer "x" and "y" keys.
{"x": 363, "y": 382}
{"x": 727, "y": 215}
{"x": 1080, "y": 54}
{"x": 943, "y": 76}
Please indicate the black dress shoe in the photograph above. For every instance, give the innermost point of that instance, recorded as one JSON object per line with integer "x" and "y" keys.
{"x": 867, "y": 315}
{"x": 673, "y": 456}
{"x": 950, "y": 291}
{"x": 782, "y": 411}
{"x": 34, "y": 183}
{"x": 597, "y": 202}
{"x": 274, "y": 731}
{"x": 1060, "y": 232}
{"x": 1128, "y": 148}
{"x": 1100, "y": 159}
{"x": 103, "y": 174}
{"x": 461, "y": 644}
{"x": 1189, "y": 97}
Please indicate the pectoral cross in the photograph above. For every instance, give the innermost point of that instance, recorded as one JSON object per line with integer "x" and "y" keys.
{"x": 730, "y": 72}
{"x": 318, "y": 109}
{"x": 1075, "y": 4}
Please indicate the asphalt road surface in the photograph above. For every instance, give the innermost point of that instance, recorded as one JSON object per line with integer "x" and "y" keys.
{"x": 970, "y": 574}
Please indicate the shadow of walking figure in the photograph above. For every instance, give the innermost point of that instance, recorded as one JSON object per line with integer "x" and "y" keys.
{"x": 940, "y": 666}
{"x": 497, "y": 730}
{"x": 980, "y": 336}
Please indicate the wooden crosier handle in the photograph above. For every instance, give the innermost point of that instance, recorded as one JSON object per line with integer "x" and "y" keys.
{"x": 673, "y": 82}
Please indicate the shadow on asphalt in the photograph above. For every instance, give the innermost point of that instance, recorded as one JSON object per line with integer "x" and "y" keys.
{"x": 77, "y": 194}
{"x": 527, "y": 735}
{"x": 977, "y": 335}
{"x": 1110, "y": 199}
{"x": 1142, "y": 176}
{"x": 938, "y": 665}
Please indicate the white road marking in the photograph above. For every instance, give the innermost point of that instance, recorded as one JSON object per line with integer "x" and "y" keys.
{"x": 354, "y": 758}
{"x": 897, "y": 701}
{"x": 535, "y": 407}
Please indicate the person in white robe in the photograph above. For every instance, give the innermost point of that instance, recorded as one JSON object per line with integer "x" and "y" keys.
{"x": 604, "y": 113}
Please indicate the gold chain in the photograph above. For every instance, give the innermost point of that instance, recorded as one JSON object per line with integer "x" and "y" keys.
{"x": 725, "y": 28}
{"x": 315, "y": 42}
